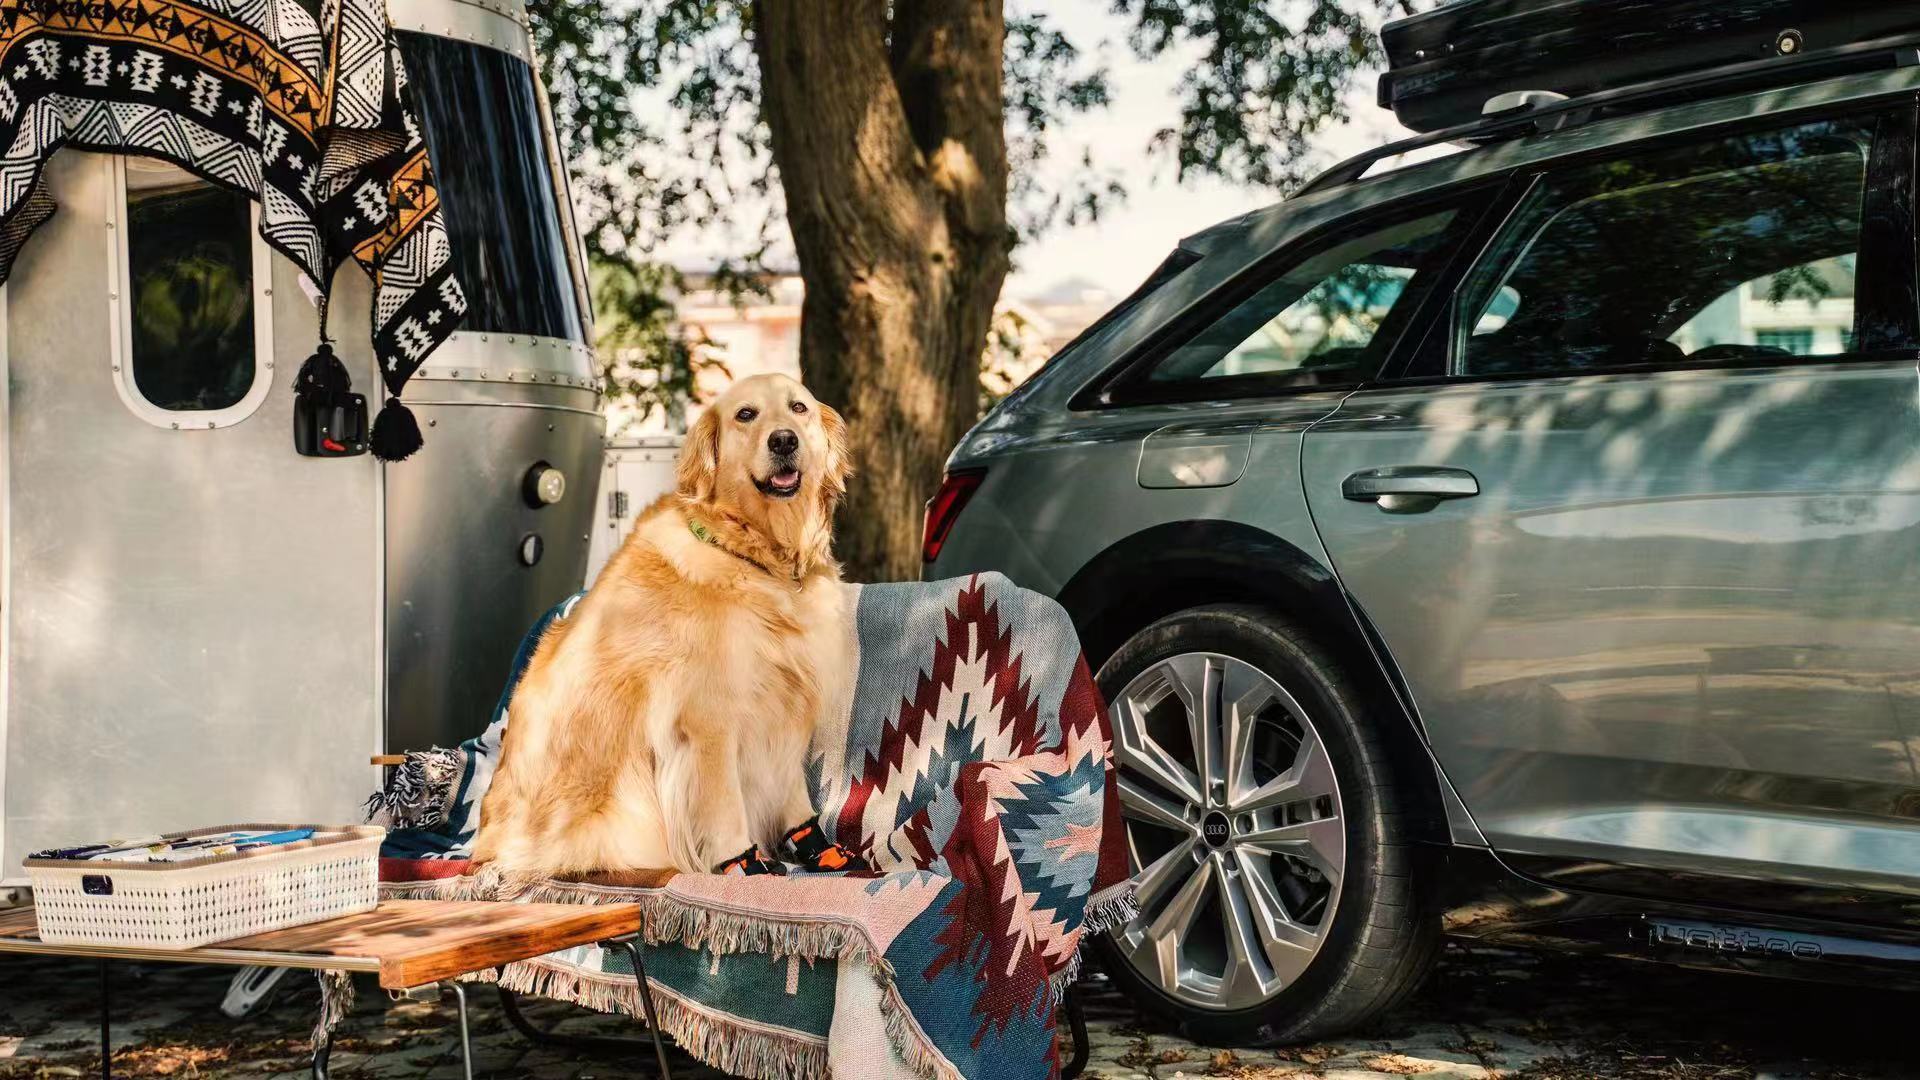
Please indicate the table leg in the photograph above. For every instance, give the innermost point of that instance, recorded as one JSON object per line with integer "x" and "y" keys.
{"x": 646, "y": 1002}
{"x": 466, "y": 1038}
{"x": 106, "y": 1014}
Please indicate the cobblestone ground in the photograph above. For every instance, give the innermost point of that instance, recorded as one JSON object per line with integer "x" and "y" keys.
{"x": 1487, "y": 1013}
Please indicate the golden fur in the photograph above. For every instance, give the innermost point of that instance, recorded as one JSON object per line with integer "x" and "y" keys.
{"x": 665, "y": 722}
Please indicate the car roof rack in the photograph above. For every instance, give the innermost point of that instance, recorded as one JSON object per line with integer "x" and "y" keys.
{"x": 1536, "y": 115}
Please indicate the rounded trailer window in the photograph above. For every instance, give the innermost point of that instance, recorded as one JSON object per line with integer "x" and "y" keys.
{"x": 194, "y": 342}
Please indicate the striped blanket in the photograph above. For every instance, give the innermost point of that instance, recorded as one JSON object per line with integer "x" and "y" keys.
{"x": 971, "y": 767}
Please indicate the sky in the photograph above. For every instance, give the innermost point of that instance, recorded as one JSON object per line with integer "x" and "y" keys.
{"x": 1119, "y": 250}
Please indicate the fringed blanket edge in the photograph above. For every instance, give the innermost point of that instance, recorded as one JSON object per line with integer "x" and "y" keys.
{"x": 711, "y": 1036}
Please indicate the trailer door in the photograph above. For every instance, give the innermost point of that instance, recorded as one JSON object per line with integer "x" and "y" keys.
{"x": 192, "y": 611}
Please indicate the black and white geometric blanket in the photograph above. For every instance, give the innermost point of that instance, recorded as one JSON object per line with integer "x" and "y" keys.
{"x": 298, "y": 104}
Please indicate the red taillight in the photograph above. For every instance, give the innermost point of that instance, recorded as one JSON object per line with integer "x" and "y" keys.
{"x": 944, "y": 508}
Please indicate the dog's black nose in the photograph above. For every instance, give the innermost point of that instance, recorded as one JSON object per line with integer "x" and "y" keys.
{"x": 783, "y": 441}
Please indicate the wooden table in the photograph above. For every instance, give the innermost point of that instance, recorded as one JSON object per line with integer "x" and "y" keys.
{"x": 406, "y": 943}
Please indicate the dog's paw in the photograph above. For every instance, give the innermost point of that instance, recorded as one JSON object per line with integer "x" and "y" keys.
{"x": 751, "y": 863}
{"x": 487, "y": 881}
{"x": 813, "y": 851}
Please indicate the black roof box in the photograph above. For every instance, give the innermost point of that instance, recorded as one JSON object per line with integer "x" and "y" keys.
{"x": 1443, "y": 65}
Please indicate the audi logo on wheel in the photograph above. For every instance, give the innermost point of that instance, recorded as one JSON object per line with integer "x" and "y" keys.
{"x": 1214, "y": 829}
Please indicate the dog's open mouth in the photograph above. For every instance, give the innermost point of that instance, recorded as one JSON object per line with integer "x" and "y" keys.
{"x": 784, "y": 484}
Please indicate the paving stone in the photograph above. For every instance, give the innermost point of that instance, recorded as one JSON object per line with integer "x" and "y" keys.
{"x": 1489, "y": 1015}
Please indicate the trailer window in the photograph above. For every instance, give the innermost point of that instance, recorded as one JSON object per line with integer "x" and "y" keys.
{"x": 192, "y": 349}
{"x": 480, "y": 116}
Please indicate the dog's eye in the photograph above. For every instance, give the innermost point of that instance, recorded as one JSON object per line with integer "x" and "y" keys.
{"x": 746, "y": 413}
{"x": 798, "y": 406}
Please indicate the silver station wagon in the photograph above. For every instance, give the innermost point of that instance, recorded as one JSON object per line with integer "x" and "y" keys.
{"x": 1520, "y": 544}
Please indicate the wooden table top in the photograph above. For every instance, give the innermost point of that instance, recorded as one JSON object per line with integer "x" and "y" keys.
{"x": 407, "y": 942}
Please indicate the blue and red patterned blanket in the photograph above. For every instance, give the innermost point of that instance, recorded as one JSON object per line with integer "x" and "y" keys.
{"x": 972, "y": 768}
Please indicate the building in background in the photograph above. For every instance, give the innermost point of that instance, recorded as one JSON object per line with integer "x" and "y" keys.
{"x": 1805, "y": 311}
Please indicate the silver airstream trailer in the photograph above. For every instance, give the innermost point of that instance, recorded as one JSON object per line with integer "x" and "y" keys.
{"x": 202, "y": 626}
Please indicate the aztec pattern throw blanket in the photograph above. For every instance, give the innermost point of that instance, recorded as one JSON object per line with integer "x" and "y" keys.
{"x": 297, "y": 104}
{"x": 971, "y": 766}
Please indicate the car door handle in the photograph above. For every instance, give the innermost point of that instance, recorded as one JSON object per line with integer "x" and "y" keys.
{"x": 1409, "y": 489}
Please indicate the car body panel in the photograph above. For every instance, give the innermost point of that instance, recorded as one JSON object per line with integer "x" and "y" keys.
{"x": 1677, "y": 620}
{"x": 1051, "y": 502}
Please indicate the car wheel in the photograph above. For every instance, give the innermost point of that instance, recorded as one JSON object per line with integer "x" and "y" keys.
{"x": 1271, "y": 850}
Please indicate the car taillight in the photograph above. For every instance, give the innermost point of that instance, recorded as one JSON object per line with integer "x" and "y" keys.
{"x": 945, "y": 507}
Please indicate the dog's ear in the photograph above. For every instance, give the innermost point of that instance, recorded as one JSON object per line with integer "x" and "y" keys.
{"x": 839, "y": 454}
{"x": 699, "y": 467}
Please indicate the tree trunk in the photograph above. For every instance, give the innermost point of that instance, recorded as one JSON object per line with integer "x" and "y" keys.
{"x": 891, "y": 151}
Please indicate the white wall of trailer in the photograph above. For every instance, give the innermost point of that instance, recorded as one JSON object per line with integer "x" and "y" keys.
{"x": 634, "y": 473}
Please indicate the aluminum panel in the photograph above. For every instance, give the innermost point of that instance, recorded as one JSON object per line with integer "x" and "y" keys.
{"x": 458, "y": 596}
{"x": 192, "y": 614}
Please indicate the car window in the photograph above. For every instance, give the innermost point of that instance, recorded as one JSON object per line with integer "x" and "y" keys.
{"x": 1743, "y": 247}
{"x": 1322, "y": 315}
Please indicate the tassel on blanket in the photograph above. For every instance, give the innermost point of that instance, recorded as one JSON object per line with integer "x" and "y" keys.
{"x": 1113, "y": 906}
{"x": 419, "y": 792}
{"x": 396, "y": 434}
{"x": 336, "y": 1001}
{"x": 741, "y": 1049}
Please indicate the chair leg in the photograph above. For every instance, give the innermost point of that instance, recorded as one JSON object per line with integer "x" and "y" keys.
{"x": 646, "y": 1002}
{"x": 590, "y": 1044}
{"x": 510, "y": 1007}
{"x": 1077, "y": 1024}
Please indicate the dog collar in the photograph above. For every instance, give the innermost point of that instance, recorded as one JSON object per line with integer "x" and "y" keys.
{"x": 705, "y": 535}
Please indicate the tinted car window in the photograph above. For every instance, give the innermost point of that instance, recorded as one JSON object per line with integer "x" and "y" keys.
{"x": 1744, "y": 247}
{"x": 1320, "y": 319}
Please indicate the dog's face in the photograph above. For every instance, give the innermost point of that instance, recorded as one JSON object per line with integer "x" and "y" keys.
{"x": 766, "y": 443}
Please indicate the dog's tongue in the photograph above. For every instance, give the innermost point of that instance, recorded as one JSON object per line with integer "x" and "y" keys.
{"x": 790, "y": 478}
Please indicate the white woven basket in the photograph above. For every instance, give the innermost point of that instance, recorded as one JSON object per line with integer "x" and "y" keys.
{"x": 188, "y": 904}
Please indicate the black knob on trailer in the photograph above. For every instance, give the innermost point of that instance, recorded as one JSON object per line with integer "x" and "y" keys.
{"x": 1789, "y": 43}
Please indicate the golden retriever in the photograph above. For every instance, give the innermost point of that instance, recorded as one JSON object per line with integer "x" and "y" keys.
{"x": 665, "y": 721}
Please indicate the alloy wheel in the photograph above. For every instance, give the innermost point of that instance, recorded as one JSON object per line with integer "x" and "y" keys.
{"x": 1234, "y": 828}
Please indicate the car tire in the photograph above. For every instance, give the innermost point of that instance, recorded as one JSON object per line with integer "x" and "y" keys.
{"x": 1375, "y": 933}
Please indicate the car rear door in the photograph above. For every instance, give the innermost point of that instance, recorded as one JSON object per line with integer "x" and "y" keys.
{"x": 1638, "y": 527}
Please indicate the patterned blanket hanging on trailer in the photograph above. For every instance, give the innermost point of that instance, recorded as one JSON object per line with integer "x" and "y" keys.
{"x": 298, "y": 104}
